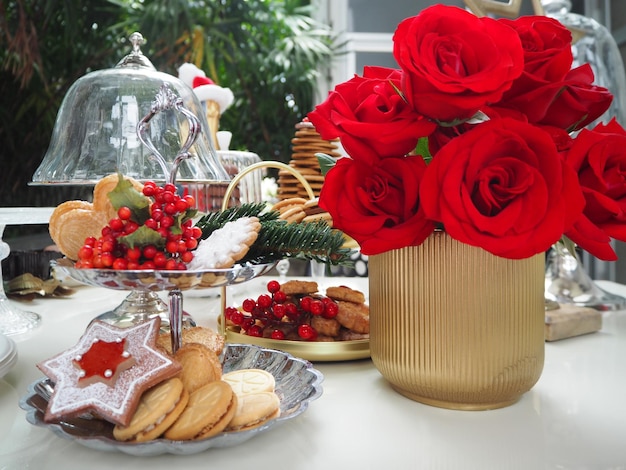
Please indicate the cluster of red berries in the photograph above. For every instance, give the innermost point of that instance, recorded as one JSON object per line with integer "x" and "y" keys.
{"x": 168, "y": 244}
{"x": 279, "y": 316}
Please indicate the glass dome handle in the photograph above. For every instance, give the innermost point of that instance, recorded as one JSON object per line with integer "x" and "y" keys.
{"x": 166, "y": 99}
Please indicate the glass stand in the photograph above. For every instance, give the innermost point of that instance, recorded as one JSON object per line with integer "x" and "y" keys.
{"x": 567, "y": 282}
{"x": 14, "y": 320}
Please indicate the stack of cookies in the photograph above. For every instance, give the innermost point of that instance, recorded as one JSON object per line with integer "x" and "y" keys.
{"x": 306, "y": 144}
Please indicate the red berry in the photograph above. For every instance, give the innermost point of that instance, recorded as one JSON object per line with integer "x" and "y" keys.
{"x": 120, "y": 263}
{"x": 305, "y": 304}
{"x": 279, "y": 310}
{"x": 317, "y": 307}
{"x": 264, "y": 301}
{"x": 280, "y": 297}
{"x": 85, "y": 252}
{"x": 133, "y": 254}
{"x": 277, "y": 334}
{"x": 248, "y": 305}
{"x": 331, "y": 309}
{"x": 255, "y": 330}
{"x": 116, "y": 224}
{"x": 124, "y": 213}
{"x": 149, "y": 251}
{"x": 307, "y": 332}
{"x": 273, "y": 287}
{"x": 169, "y": 187}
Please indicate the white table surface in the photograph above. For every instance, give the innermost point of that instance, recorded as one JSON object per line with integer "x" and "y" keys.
{"x": 574, "y": 418}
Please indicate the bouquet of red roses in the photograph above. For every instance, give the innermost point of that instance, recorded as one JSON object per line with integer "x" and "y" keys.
{"x": 481, "y": 132}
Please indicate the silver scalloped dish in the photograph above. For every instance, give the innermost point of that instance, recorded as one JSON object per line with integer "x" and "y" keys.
{"x": 298, "y": 383}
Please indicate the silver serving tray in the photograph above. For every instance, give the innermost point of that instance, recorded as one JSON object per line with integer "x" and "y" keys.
{"x": 160, "y": 280}
{"x": 297, "y": 384}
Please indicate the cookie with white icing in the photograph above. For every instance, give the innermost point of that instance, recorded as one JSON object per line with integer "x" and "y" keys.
{"x": 226, "y": 245}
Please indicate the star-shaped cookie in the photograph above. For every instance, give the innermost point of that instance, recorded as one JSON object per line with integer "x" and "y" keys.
{"x": 117, "y": 382}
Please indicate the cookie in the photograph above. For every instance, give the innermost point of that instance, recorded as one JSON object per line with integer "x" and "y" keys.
{"x": 245, "y": 381}
{"x": 199, "y": 365}
{"x": 195, "y": 334}
{"x": 227, "y": 245}
{"x": 254, "y": 409}
{"x": 54, "y": 226}
{"x": 209, "y": 410}
{"x": 293, "y": 215}
{"x": 285, "y": 204}
{"x": 158, "y": 408}
{"x": 73, "y": 227}
{"x": 295, "y": 287}
{"x": 353, "y": 316}
{"x": 345, "y": 293}
{"x": 325, "y": 326}
{"x": 101, "y": 201}
{"x": 86, "y": 378}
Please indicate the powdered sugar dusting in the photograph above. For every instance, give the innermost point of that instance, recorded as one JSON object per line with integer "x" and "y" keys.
{"x": 115, "y": 402}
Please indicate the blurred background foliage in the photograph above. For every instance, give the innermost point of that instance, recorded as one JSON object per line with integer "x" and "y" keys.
{"x": 268, "y": 52}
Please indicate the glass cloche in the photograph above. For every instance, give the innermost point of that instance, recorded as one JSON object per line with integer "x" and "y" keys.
{"x": 95, "y": 133}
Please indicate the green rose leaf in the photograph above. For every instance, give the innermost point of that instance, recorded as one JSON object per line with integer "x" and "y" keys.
{"x": 326, "y": 162}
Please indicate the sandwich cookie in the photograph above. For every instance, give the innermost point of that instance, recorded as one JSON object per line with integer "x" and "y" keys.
{"x": 158, "y": 408}
{"x": 244, "y": 381}
{"x": 254, "y": 409}
{"x": 208, "y": 412}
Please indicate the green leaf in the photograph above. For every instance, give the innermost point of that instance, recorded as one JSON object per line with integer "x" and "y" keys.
{"x": 422, "y": 149}
{"x": 326, "y": 162}
{"x": 125, "y": 195}
{"x": 143, "y": 236}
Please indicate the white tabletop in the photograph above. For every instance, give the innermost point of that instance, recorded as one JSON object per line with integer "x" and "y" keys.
{"x": 574, "y": 418}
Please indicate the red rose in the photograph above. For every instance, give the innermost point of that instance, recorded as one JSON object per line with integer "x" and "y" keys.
{"x": 455, "y": 63}
{"x": 547, "y": 60}
{"x": 599, "y": 158}
{"x": 503, "y": 187}
{"x": 547, "y": 48}
{"x": 580, "y": 103}
{"x": 370, "y": 117}
{"x": 377, "y": 206}
{"x": 569, "y": 104}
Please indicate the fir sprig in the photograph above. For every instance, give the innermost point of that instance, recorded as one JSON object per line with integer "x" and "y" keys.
{"x": 278, "y": 239}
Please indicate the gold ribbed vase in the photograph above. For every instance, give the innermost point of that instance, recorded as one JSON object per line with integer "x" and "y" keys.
{"x": 454, "y": 326}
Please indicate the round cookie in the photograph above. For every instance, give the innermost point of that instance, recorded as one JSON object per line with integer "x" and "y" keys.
{"x": 74, "y": 227}
{"x": 200, "y": 366}
{"x": 208, "y": 412}
{"x": 158, "y": 408}
{"x": 254, "y": 409}
{"x": 245, "y": 381}
{"x": 53, "y": 225}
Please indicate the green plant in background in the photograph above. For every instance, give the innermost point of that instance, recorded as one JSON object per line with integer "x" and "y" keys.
{"x": 269, "y": 52}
